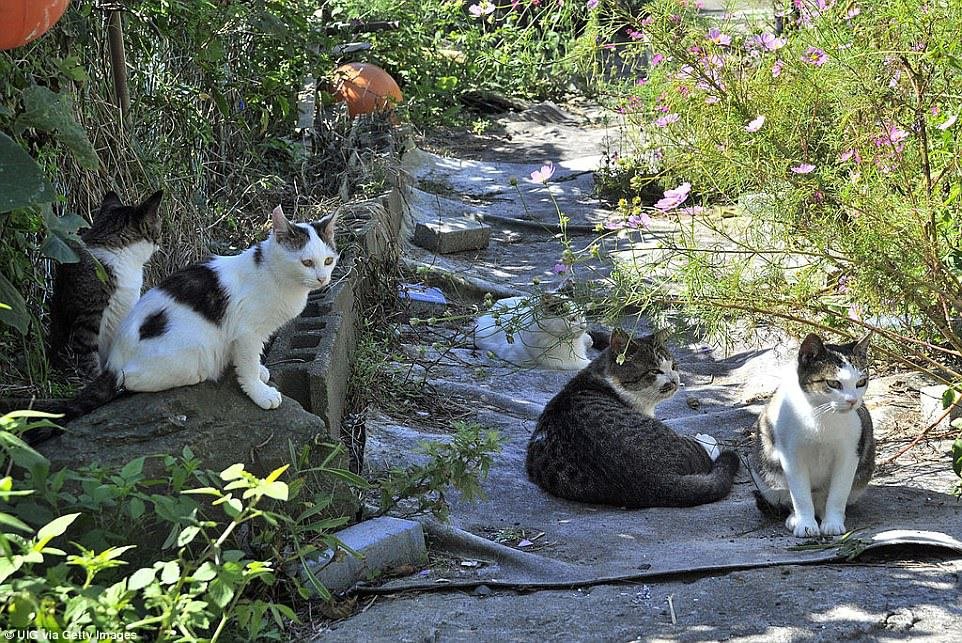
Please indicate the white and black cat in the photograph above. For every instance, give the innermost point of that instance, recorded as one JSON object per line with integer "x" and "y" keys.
{"x": 547, "y": 329}
{"x": 85, "y": 310}
{"x": 598, "y": 441}
{"x": 217, "y": 313}
{"x": 814, "y": 450}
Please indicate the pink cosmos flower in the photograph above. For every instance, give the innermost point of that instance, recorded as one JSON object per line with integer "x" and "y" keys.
{"x": 667, "y": 120}
{"x": 481, "y": 9}
{"x": 949, "y": 122}
{"x": 684, "y": 90}
{"x": 559, "y": 268}
{"x": 719, "y": 38}
{"x": 755, "y": 124}
{"x": 636, "y": 221}
{"x": 850, "y": 154}
{"x": 711, "y": 100}
{"x": 647, "y": 21}
{"x": 854, "y": 11}
{"x": 641, "y": 81}
{"x": 656, "y": 59}
{"x": 768, "y": 41}
{"x": 592, "y": 5}
{"x": 545, "y": 173}
{"x": 675, "y": 19}
{"x": 777, "y": 68}
{"x": 803, "y": 168}
{"x": 614, "y": 224}
{"x": 674, "y": 198}
{"x": 815, "y": 56}
{"x": 894, "y": 136}
{"x": 635, "y": 35}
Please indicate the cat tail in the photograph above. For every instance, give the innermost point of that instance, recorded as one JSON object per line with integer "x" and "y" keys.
{"x": 702, "y": 488}
{"x": 98, "y": 392}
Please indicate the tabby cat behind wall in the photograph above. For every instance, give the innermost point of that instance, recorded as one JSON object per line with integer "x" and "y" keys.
{"x": 86, "y": 310}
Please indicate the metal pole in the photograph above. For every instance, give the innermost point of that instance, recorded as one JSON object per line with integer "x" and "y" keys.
{"x": 118, "y": 63}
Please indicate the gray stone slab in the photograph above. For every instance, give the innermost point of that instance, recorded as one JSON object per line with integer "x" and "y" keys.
{"x": 381, "y": 544}
{"x": 446, "y": 236}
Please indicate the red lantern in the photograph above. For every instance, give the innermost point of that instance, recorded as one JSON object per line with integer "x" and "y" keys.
{"x": 365, "y": 88}
{"x": 24, "y": 20}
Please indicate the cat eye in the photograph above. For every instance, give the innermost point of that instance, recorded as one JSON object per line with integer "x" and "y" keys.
{"x": 656, "y": 371}
{"x": 307, "y": 263}
{"x": 329, "y": 261}
{"x": 835, "y": 384}
{"x": 862, "y": 382}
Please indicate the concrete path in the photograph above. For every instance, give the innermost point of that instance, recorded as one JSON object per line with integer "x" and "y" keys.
{"x": 896, "y": 593}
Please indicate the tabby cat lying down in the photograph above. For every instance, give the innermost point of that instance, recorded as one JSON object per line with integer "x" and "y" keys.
{"x": 598, "y": 440}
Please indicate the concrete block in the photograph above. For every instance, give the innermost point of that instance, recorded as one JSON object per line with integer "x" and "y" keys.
{"x": 452, "y": 235}
{"x": 383, "y": 544}
{"x": 930, "y": 402}
{"x": 330, "y": 372}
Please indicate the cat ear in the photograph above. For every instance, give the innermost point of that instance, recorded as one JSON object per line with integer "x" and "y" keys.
{"x": 149, "y": 208}
{"x": 618, "y": 341}
{"x": 325, "y": 228}
{"x": 811, "y": 349}
{"x": 111, "y": 201}
{"x": 281, "y": 226}
{"x": 861, "y": 346}
{"x": 660, "y": 338}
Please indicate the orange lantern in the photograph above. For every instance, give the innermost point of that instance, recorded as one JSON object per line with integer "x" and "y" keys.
{"x": 365, "y": 88}
{"x": 22, "y": 21}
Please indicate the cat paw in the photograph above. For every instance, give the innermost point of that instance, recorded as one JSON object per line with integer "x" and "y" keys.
{"x": 833, "y": 526}
{"x": 264, "y": 396}
{"x": 264, "y": 374}
{"x": 805, "y": 527}
{"x": 709, "y": 444}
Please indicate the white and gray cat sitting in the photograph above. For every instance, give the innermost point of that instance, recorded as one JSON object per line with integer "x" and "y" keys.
{"x": 547, "y": 329}
{"x": 814, "y": 451}
{"x": 216, "y": 313}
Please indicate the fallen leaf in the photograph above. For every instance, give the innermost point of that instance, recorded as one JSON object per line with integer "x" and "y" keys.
{"x": 525, "y": 543}
{"x": 628, "y": 536}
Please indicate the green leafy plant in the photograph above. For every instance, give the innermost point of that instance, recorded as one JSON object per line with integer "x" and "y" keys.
{"x": 461, "y": 464}
{"x": 198, "y": 585}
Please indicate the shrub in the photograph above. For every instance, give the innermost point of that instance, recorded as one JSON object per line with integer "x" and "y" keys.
{"x": 839, "y": 139}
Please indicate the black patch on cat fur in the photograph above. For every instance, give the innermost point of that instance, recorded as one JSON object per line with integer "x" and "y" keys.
{"x": 258, "y": 254}
{"x": 154, "y": 326}
{"x": 295, "y": 238}
{"x": 320, "y": 228}
{"x": 197, "y": 286}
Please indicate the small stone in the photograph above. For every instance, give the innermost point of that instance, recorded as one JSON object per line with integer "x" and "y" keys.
{"x": 693, "y": 402}
{"x": 482, "y": 590}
